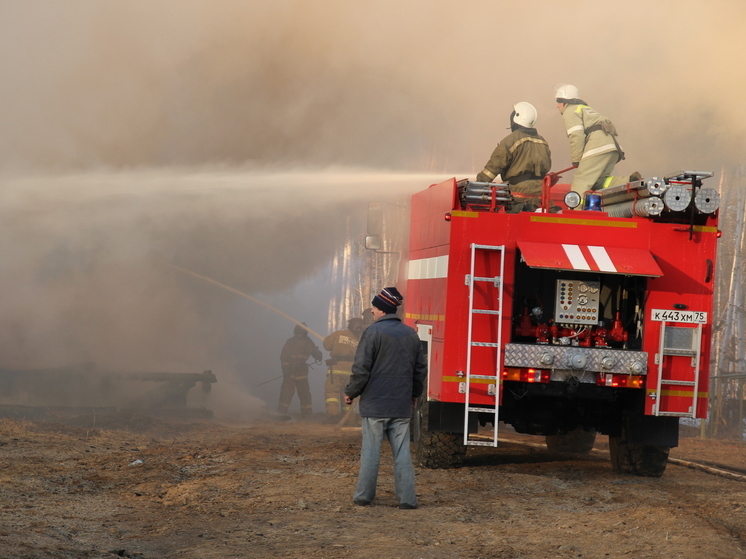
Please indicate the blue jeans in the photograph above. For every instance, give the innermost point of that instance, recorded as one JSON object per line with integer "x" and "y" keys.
{"x": 397, "y": 431}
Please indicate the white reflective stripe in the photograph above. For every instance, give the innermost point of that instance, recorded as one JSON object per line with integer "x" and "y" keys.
{"x": 574, "y": 129}
{"x": 602, "y": 259}
{"x": 576, "y": 257}
{"x": 428, "y": 268}
{"x": 602, "y": 149}
{"x": 413, "y": 269}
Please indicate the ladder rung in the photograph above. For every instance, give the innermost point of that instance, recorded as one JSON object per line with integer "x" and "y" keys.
{"x": 491, "y": 280}
{"x": 481, "y": 443}
{"x": 483, "y": 376}
{"x": 488, "y": 247}
{"x": 485, "y": 410}
{"x": 484, "y": 311}
{"x": 676, "y": 413}
{"x": 684, "y": 352}
{"x": 679, "y": 382}
{"x": 484, "y": 344}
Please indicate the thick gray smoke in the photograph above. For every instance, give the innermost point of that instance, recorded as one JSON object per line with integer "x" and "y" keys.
{"x": 418, "y": 85}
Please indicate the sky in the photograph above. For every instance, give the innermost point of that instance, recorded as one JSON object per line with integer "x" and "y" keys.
{"x": 235, "y": 138}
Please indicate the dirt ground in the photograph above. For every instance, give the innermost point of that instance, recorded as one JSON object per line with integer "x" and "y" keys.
{"x": 149, "y": 488}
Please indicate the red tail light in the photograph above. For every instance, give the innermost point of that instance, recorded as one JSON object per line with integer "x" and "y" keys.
{"x": 620, "y": 381}
{"x": 526, "y": 375}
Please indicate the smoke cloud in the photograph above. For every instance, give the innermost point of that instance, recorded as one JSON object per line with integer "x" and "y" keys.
{"x": 420, "y": 85}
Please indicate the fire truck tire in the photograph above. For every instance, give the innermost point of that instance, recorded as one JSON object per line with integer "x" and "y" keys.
{"x": 638, "y": 459}
{"x": 577, "y": 441}
{"x": 434, "y": 449}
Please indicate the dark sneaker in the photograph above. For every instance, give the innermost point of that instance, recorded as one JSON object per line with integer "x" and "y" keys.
{"x": 361, "y": 502}
{"x": 407, "y": 506}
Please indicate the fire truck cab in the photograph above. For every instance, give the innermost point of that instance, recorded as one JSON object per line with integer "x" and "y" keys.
{"x": 563, "y": 323}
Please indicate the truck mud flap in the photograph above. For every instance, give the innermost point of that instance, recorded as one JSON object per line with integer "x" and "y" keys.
{"x": 448, "y": 417}
{"x": 652, "y": 431}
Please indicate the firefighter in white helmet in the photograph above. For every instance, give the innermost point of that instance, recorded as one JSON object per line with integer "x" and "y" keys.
{"x": 594, "y": 149}
{"x": 521, "y": 159}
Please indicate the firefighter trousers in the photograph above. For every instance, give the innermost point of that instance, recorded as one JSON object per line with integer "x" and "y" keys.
{"x": 336, "y": 380}
{"x": 593, "y": 172}
{"x": 290, "y": 384}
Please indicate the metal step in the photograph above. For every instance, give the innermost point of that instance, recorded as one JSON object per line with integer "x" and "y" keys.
{"x": 483, "y": 376}
{"x": 676, "y": 413}
{"x": 485, "y": 311}
{"x": 491, "y": 280}
{"x": 480, "y": 443}
{"x": 485, "y": 410}
{"x": 484, "y": 344}
{"x": 679, "y": 382}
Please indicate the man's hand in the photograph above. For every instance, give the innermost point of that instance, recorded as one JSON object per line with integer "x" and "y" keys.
{"x": 348, "y": 400}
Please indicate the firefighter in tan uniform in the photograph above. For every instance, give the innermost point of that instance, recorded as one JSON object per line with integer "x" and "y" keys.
{"x": 521, "y": 159}
{"x": 341, "y": 346}
{"x": 294, "y": 357}
{"x": 594, "y": 149}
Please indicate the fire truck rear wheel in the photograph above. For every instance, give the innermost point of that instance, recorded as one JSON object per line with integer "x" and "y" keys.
{"x": 638, "y": 459}
{"x": 577, "y": 441}
{"x": 435, "y": 449}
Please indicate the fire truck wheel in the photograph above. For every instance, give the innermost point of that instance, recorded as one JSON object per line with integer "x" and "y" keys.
{"x": 433, "y": 449}
{"x": 638, "y": 459}
{"x": 577, "y": 441}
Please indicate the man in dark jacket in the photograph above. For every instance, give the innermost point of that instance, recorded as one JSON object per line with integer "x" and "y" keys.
{"x": 388, "y": 374}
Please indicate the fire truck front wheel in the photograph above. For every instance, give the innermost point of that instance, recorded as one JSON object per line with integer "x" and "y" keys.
{"x": 435, "y": 449}
{"x": 638, "y": 459}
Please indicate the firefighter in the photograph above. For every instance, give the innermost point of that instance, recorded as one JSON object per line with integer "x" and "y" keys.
{"x": 341, "y": 346}
{"x": 594, "y": 149}
{"x": 294, "y": 357}
{"x": 522, "y": 159}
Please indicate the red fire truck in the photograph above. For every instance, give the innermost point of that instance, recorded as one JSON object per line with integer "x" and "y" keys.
{"x": 563, "y": 323}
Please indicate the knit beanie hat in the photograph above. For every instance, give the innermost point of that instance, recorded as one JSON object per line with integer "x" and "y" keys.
{"x": 388, "y": 300}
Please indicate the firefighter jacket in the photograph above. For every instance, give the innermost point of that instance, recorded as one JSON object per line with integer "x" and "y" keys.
{"x": 296, "y": 352}
{"x": 389, "y": 369}
{"x": 341, "y": 346}
{"x": 522, "y": 159}
{"x": 589, "y": 132}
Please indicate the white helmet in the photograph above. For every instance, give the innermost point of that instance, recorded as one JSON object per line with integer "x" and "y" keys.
{"x": 524, "y": 114}
{"x": 567, "y": 92}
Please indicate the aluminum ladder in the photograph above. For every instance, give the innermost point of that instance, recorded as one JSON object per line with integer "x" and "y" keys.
{"x": 497, "y": 312}
{"x": 693, "y": 348}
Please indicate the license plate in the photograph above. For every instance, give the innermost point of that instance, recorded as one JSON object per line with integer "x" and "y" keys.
{"x": 690, "y": 317}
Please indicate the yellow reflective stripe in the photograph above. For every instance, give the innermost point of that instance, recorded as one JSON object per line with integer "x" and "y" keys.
{"x": 340, "y": 372}
{"x": 460, "y": 213}
{"x": 577, "y": 128}
{"x": 332, "y": 400}
{"x": 431, "y": 317}
{"x": 580, "y": 108}
{"x": 601, "y": 149}
{"x": 678, "y": 393}
{"x": 527, "y": 139}
{"x": 489, "y": 173}
{"x": 574, "y": 221}
{"x": 471, "y": 381}
{"x": 607, "y": 182}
